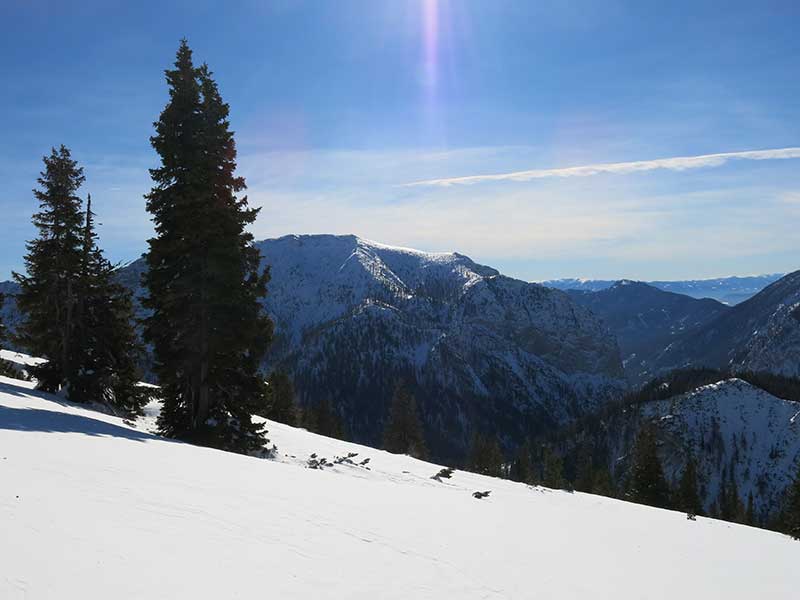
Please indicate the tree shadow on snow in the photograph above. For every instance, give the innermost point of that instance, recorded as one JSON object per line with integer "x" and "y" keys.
{"x": 50, "y": 421}
{"x": 40, "y": 419}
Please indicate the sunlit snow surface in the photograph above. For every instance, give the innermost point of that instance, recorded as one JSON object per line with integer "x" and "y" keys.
{"x": 93, "y": 508}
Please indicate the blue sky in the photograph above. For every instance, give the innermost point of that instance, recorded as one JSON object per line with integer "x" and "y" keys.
{"x": 339, "y": 105}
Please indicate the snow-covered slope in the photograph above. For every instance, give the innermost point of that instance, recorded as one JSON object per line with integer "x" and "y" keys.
{"x": 738, "y": 426}
{"x": 730, "y": 426}
{"x": 94, "y": 508}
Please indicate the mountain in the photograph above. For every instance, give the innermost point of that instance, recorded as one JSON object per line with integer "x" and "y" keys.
{"x": 481, "y": 351}
{"x": 730, "y": 427}
{"x": 646, "y": 320}
{"x": 728, "y": 290}
{"x": 760, "y": 334}
{"x": 126, "y": 514}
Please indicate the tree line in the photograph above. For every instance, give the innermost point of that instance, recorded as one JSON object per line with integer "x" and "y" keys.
{"x": 206, "y": 328}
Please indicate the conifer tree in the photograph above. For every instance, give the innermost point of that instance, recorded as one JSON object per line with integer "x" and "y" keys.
{"x": 521, "y": 467}
{"x": 486, "y": 457}
{"x": 204, "y": 282}
{"x": 603, "y": 484}
{"x": 281, "y": 405}
{"x": 106, "y": 348}
{"x": 552, "y": 469}
{"x": 48, "y": 291}
{"x": 3, "y": 335}
{"x": 688, "y": 499}
{"x": 403, "y": 433}
{"x": 584, "y": 470}
{"x": 5, "y": 368}
{"x": 790, "y": 515}
{"x": 750, "y": 513}
{"x": 647, "y": 484}
{"x": 322, "y": 419}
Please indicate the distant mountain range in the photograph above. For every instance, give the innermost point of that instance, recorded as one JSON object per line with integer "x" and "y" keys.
{"x": 728, "y": 290}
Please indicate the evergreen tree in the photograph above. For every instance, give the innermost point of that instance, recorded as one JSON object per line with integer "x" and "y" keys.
{"x": 3, "y": 335}
{"x": 207, "y": 326}
{"x": 106, "y": 348}
{"x": 552, "y": 469}
{"x": 603, "y": 484}
{"x": 486, "y": 457}
{"x": 403, "y": 433}
{"x": 584, "y": 470}
{"x": 281, "y": 406}
{"x": 522, "y": 467}
{"x": 790, "y": 515}
{"x": 322, "y": 419}
{"x": 647, "y": 484}
{"x": 5, "y": 367}
{"x": 750, "y": 513}
{"x": 688, "y": 498}
{"x": 48, "y": 291}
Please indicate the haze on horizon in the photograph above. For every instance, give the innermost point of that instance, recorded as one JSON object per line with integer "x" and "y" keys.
{"x": 549, "y": 139}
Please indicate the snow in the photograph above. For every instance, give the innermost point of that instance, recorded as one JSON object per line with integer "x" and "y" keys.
{"x": 94, "y": 508}
{"x": 18, "y": 358}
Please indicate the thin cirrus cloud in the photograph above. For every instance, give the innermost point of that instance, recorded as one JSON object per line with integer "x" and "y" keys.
{"x": 678, "y": 163}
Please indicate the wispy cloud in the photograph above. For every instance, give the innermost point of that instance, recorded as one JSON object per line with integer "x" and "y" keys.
{"x": 678, "y": 163}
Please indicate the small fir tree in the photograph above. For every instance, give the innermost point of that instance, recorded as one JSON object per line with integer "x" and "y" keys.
{"x": 49, "y": 288}
{"x": 3, "y": 334}
{"x": 552, "y": 469}
{"x": 106, "y": 349}
{"x": 647, "y": 484}
{"x": 522, "y": 467}
{"x": 403, "y": 433}
{"x": 688, "y": 498}
{"x": 281, "y": 405}
{"x": 486, "y": 457}
{"x": 321, "y": 418}
{"x": 790, "y": 515}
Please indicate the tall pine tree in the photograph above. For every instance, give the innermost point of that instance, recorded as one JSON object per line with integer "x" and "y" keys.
{"x": 404, "y": 434}
{"x": 647, "y": 484}
{"x": 106, "y": 347}
{"x": 206, "y": 327}
{"x": 49, "y": 290}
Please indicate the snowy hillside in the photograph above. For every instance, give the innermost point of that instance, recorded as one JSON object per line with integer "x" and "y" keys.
{"x": 729, "y": 427}
{"x": 733, "y": 424}
{"x": 94, "y": 508}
